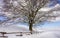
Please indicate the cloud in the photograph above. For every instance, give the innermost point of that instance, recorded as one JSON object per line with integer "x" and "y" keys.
{"x": 45, "y": 9}
{"x": 58, "y": 19}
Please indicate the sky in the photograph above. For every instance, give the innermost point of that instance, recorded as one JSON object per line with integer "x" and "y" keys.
{"x": 2, "y": 18}
{"x": 46, "y": 24}
{"x": 53, "y": 3}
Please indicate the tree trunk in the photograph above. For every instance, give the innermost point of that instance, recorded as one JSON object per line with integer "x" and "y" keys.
{"x": 30, "y": 26}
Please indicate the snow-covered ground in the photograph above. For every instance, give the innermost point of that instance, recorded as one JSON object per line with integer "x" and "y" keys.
{"x": 48, "y": 34}
{"x": 17, "y": 28}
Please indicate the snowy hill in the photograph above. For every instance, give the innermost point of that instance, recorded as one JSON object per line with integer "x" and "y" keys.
{"x": 43, "y": 33}
{"x": 13, "y": 28}
{"x": 48, "y": 34}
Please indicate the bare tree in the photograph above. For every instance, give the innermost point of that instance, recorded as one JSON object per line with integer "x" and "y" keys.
{"x": 27, "y": 11}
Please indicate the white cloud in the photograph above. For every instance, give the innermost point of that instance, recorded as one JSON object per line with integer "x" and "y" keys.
{"x": 57, "y": 5}
{"x": 58, "y": 19}
{"x": 45, "y": 9}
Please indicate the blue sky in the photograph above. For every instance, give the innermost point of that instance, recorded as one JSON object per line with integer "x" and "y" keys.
{"x": 53, "y": 3}
{"x": 52, "y": 24}
{"x": 2, "y": 18}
